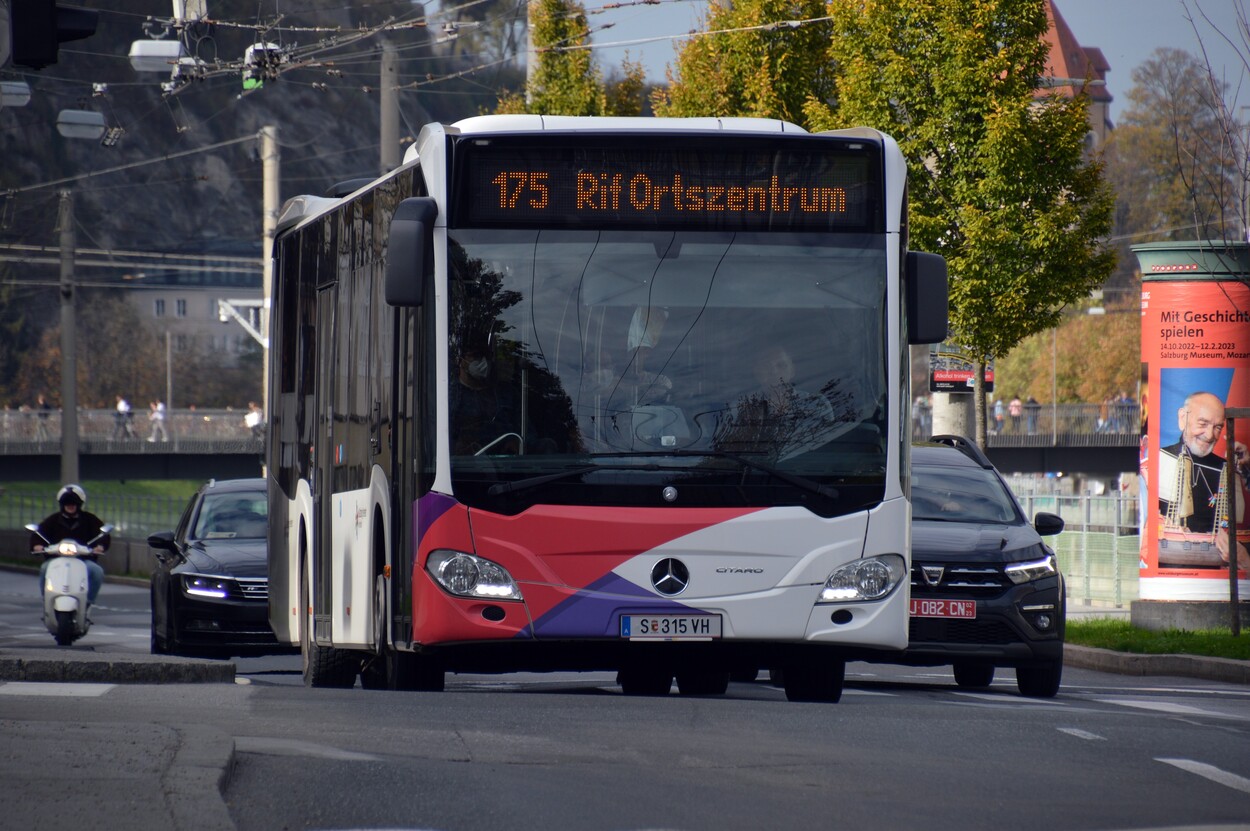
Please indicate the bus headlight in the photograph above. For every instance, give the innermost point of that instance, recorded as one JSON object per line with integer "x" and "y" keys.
{"x": 467, "y": 575}
{"x": 871, "y": 578}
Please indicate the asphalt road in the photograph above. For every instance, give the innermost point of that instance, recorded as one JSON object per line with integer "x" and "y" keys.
{"x": 904, "y": 749}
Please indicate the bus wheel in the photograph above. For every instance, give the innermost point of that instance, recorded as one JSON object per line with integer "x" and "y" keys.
{"x": 815, "y": 680}
{"x": 644, "y": 681}
{"x": 703, "y": 683}
{"x": 324, "y": 666}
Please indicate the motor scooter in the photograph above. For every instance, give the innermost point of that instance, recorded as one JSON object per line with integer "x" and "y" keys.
{"x": 65, "y": 587}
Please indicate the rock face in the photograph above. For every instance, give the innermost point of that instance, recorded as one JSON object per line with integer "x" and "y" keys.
{"x": 166, "y": 192}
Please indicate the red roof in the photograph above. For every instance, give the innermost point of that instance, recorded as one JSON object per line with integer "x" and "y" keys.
{"x": 1071, "y": 61}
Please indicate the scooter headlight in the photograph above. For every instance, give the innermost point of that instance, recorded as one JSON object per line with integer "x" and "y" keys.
{"x": 67, "y": 549}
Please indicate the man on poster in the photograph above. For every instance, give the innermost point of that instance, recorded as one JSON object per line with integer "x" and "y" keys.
{"x": 1190, "y": 473}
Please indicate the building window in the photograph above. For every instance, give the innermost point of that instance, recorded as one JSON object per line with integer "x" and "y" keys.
{"x": 180, "y": 308}
{"x": 182, "y": 343}
{"x": 158, "y": 308}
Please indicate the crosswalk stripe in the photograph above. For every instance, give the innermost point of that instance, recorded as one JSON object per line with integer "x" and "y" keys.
{"x": 1222, "y": 777}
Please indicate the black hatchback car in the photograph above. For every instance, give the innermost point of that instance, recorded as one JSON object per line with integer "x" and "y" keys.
{"x": 986, "y": 591}
{"x": 210, "y": 588}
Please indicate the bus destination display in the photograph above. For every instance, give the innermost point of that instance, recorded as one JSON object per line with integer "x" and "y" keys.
{"x": 660, "y": 183}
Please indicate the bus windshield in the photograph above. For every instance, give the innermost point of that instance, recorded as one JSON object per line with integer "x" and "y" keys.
{"x": 598, "y": 367}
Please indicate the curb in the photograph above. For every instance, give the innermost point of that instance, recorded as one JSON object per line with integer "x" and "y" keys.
{"x": 1128, "y": 663}
{"x": 85, "y": 667}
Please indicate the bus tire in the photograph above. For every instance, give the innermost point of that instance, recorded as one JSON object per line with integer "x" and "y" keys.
{"x": 815, "y": 680}
{"x": 324, "y": 666}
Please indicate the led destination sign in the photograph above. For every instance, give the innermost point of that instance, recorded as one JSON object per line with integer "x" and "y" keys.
{"x": 715, "y": 183}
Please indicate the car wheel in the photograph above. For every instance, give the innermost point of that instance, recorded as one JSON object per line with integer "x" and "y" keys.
{"x": 744, "y": 675}
{"x": 974, "y": 675}
{"x": 159, "y": 645}
{"x": 703, "y": 683}
{"x": 815, "y": 681}
{"x": 644, "y": 681}
{"x": 1040, "y": 681}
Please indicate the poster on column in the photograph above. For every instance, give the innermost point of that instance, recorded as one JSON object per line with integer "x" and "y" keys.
{"x": 1196, "y": 343}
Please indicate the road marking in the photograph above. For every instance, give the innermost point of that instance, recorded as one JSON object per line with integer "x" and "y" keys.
{"x": 1222, "y": 777}
{"x": 294, "y": 747}
{"x": 54, "y": 690}
{"x": 1168, "y": 707}
{"x": 1081, "y": 734}
{"x": 1006, "y": 696}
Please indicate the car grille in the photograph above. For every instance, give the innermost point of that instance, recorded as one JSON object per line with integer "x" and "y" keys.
{"x": 959, "y": 580}
{"x": 252, "y": 589}
{"x": 941, "y": 630}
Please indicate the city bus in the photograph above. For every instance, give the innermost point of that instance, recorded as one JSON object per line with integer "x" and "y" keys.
{"x": 598, "y": 394}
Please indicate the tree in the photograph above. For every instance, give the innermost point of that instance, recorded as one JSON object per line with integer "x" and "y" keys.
{"x": 567, "y": 81}
{"x": 1172, "y": 161}
{"x": 752, "y": 71}
{"x": 1000, "y": 183}
{"x": 117, "y": 355}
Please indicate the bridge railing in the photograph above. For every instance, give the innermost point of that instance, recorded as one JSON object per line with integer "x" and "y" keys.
{"x": 1060, "y": 425}
{"x": 101, "y": 431}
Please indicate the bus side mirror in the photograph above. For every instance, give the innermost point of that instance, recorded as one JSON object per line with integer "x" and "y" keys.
{"x": 927, "y": 298}
{"x": 410, "y": 251}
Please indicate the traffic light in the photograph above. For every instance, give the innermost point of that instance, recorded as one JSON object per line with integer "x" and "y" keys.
{"x": 39, "y": 27}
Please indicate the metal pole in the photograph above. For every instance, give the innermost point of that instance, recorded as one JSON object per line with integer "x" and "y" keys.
{"x": 69, "y": 344}
{"x": 1231, "y": 489}
{"x": 1085, "y": 517}
{"x": 270, "y": 156}
{"x": 389, "y": 109}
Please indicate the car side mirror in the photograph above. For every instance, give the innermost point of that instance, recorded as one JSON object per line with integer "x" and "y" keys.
{"x": 1047, "y": 525}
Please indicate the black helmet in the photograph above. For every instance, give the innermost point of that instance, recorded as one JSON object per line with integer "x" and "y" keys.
{"x": 71, "y": 494}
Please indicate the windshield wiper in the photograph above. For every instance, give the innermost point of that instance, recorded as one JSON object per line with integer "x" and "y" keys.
{"x": 501, "y": 488}
{"x": 800, "y": 482}
{"x": 789, "y": 478}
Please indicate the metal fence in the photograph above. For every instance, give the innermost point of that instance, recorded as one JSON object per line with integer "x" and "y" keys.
{"x": 31, "y": 430}
{"x": 1099, "y": 549}
{"x": 135, "y": 516}
{"x": 1055, "y": 424}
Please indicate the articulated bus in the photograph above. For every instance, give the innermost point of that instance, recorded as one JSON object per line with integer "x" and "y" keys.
{"x": 611, "y": 394}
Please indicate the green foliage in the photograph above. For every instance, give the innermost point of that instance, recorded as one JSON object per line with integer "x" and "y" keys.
{"x": 570, "y": 82}
{"x": 1084, "y": 360}
{"x": 1122, "y": 636}
{"x": 1000, "y": 184}
{"x": 766, "y": 73}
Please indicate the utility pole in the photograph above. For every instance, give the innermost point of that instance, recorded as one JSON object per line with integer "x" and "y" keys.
{"x": 270, "y": 157}
{"x": 69, "y": 344}
{"x": 389, "y": 103}
{"x": 531, "y": 57}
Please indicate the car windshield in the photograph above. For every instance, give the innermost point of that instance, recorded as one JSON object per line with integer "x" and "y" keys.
{"x": 240, "y": 515}
{"x": 644, "y": 354}
{"x": 960, "y": 494}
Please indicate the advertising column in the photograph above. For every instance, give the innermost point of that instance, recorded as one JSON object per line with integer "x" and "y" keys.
{"x": 1196, "y": 355}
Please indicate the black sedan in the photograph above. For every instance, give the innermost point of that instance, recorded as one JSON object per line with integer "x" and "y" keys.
{"x": 210, "y": 588}
{"x": 986, "y": 591}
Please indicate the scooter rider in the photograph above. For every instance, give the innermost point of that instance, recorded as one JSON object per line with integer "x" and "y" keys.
{"x": 73, "y": 523}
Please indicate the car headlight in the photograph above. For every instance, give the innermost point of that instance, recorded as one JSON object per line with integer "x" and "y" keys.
{"x": 1033, "y": 570}
{"x": 201, "y": 585}
{"x": 467, "y": 575}
{"x": 871, "y": 578}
